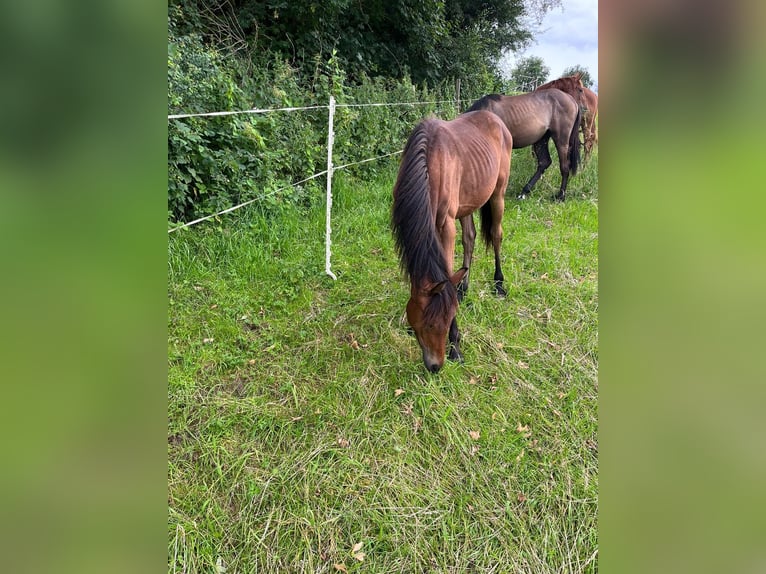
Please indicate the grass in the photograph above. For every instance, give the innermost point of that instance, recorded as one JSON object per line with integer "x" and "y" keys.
{"x": 302, "y": 422}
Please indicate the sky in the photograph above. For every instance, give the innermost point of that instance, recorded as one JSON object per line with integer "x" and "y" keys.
{"x": 569, "y": 37}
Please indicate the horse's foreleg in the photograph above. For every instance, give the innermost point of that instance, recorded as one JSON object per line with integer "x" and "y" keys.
{"x": 469, "y": 238}
{"x": 454, "y": 343}
{"x": 543, "y": 161}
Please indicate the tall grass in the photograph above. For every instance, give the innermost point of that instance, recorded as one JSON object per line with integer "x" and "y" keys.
{"x": 302, "y": 423}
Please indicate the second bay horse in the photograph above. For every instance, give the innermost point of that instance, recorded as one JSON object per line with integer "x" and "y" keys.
{"x": 533, "y": 119}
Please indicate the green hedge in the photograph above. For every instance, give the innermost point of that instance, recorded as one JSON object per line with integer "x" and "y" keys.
{"x": 218, "y": 162}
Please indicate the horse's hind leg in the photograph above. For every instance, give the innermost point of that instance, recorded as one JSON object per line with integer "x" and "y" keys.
{"x": 497, "y": 202}
{"x": 543, "y": 161}
{"x": 469, "y": 238}
{"x": 563, "y": 150}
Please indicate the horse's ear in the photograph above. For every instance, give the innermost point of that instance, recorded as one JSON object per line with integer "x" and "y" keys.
{"x": 438, "y": 288}
{"x": 457, "y": 277}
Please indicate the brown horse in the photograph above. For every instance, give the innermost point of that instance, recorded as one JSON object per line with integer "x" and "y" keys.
{"x": 449, "y": 169}
{"x": 572, "y": 85}
{"x": 588, "y": 101}
{"x": 533, "y": 119}
{"x": 589, "y": 120}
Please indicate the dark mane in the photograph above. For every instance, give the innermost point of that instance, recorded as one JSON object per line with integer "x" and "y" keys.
{"x": 420, "y": 254}
{"x": 484, "y": 103}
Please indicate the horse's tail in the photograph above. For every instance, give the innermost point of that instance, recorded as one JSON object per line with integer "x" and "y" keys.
{"x": 486, "y": 223}
{"x": 411, "y": 218}
{"x": 574, "y": 143}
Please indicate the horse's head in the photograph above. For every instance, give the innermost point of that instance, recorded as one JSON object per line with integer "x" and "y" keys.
{"x": 577, "y": 89}
{"x": 430, "y": 312}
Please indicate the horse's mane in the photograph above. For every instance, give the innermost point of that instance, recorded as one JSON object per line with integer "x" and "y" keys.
{"x": 420, "y": 253}
{"x": 484, "y": 103}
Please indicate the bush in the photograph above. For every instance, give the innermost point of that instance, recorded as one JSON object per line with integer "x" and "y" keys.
{"x": 218, "y": 162}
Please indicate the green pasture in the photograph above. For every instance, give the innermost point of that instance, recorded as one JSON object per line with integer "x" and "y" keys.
{"x": 304, "y": 434}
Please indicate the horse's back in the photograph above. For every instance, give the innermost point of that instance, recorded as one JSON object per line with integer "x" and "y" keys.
{"x": 468, "y": 156}
{"x": 529, "y": 116}
{"x": 483, "y": 125}
{"x": 474, "y": 137}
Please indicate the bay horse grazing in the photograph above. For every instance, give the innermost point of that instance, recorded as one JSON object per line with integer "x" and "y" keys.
{"x": 588, "y": 101}
{"x": 533, "y": 119}
{"x": 449, "y": 169}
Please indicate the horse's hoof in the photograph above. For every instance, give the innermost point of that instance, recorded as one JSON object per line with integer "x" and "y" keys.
{"x": 455, "y": 356}
{"x": 559, "y": 197}
{"x": 521, "y": 196}
{"x": 500, "y": 291}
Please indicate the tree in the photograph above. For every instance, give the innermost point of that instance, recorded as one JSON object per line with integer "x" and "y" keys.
{"x": 585, "y": 76}
{"x": 430, "y": 41}
{"x": 529, "y": 73}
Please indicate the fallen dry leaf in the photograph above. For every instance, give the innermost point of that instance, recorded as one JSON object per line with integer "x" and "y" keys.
{"x": 340, "y": 567}
{"x": 521, "y": 497}
{"x": 520, "y": 455}
{"x": 354, "y": 345}
{"x": 523, "y": 365}
{"x": 208, "y": 340}
{"x": 357, "y": 547}
{"x": 474, "y": 434}
{"x": 214, "y": 306}
{"x": 398, "y": 392}
{"x": 343, "y": 443}
{"x": 360, "y": 556}
{"x": 251, "y": 362}
{"x": 522, "y": 428}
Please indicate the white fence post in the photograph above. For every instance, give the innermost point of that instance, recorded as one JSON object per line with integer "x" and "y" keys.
{"x": 330, "y": 139}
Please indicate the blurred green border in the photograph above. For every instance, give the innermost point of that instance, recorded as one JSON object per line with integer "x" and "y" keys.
{"x": 682, "y": 278}
{"x": 83, "y": 175}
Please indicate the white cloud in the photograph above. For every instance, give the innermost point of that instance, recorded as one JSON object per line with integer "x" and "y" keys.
{"x": 569, "y": 37}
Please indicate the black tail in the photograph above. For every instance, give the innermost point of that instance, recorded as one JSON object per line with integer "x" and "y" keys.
{"x": 486, "y": 223}
{"x": 574, "y": 144}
